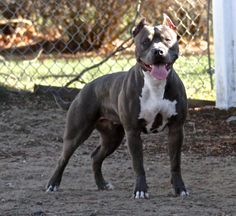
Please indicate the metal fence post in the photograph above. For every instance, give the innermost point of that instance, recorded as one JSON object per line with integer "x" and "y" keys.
{"x": 224, "y": 18}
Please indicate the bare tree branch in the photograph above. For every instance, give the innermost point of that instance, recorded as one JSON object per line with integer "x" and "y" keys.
{"x": 119, "y": 48}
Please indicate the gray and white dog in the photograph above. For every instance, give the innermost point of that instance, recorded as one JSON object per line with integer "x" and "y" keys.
{"x": 147, "y": 98}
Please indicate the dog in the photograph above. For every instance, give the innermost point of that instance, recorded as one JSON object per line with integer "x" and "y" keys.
{"x": 147, "y": 98}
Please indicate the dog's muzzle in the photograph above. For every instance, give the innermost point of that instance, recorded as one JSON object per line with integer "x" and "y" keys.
{"x": 158, "y": 71}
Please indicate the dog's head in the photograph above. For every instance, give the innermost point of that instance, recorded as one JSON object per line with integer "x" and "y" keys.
{"x": 156, "y": 47}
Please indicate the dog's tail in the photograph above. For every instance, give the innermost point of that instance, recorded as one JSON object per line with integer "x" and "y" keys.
{"x": 65, "y": 105}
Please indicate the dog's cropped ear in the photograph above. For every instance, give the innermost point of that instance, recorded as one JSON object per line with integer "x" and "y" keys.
{"x": 138, "y": 27}
{"x": 168, "y": 22}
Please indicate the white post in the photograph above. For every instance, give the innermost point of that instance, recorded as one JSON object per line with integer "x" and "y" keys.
{"x": 224, "y": 23}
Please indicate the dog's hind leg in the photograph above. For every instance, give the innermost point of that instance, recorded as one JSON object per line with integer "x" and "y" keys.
{"x": 111, "y": 137}
{"x": 78, "y": 128}
{"x": 69, "y": 146}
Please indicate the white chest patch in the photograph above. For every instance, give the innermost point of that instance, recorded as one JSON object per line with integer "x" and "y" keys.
{"x": 152, "y": 102}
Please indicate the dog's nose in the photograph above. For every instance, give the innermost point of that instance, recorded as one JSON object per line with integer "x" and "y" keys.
{"x": 158, "y": 52}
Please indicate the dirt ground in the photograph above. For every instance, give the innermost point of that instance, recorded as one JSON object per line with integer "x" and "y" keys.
{"x": 31, "y": 129}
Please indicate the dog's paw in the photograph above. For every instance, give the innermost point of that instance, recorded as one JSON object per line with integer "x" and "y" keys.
{"x": 106, "y": 186}
{"x": 179, "y": 187}
{"x": 51, "y": 188}
{"x": 53, "y": 184}
{"x": 184, "y": 194}
{"x": 141, "y": 195}
{"x": 140, "y": 191}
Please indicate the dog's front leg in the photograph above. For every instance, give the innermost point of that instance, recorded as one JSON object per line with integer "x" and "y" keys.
{"x": 136, "y": 151}
{"x": 175, "y": 142}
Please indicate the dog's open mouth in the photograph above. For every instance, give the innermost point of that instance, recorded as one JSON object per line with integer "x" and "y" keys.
{"x": 159, "y": 71}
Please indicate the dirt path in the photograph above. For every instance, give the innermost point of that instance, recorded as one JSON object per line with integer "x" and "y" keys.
{"x": 31, "y": 131}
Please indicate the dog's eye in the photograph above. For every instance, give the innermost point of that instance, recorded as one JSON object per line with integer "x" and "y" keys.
{"x": 167, "y": 39}
{"x": 146, "y": 41}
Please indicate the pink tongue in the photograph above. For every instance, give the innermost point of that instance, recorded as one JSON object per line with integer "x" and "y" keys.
{"x": 159, "y": 72}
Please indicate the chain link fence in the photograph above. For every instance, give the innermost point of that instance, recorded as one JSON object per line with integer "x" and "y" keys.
{"x": 71, "y": 42}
